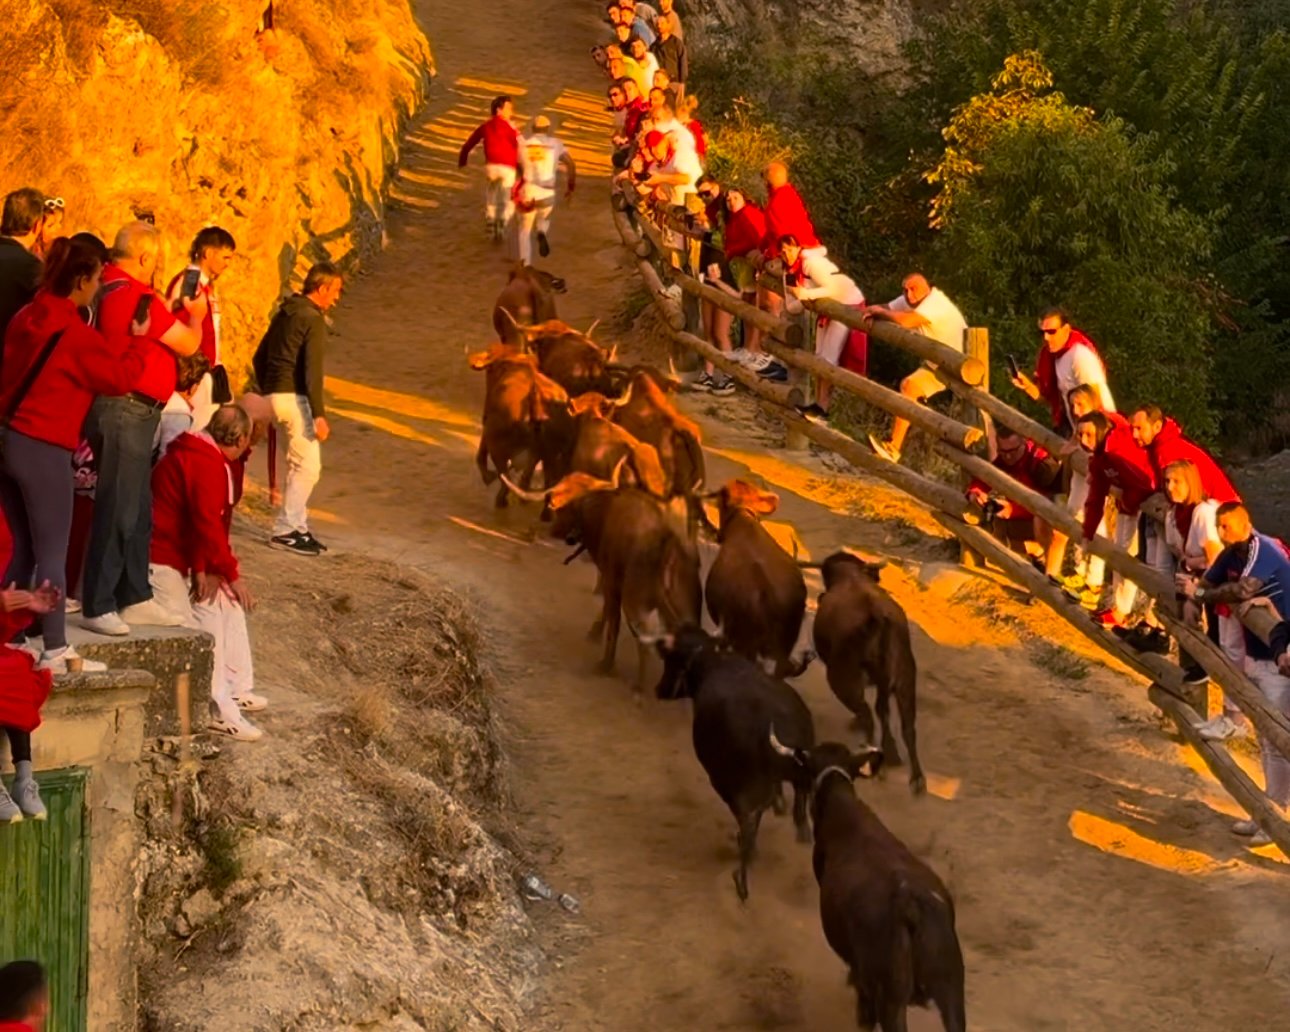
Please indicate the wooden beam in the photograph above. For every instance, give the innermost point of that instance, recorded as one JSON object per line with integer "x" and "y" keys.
{"x": 1225, "y": 769}
{"x": 782, "y": 330}
{"x": 785, "y": 397}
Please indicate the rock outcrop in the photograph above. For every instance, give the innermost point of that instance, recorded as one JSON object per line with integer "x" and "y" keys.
{"x": 278, "y": 121}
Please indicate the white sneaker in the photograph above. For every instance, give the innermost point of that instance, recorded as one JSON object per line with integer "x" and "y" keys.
{"x": 241, "y": 729}
{"x": 759, "y": 361}
{"x": 740, "y": 355}
{"x": 1245, "y": 828}
{"x": 110, "y": 624}
{"x": 151, "y": 614}
{"x": 1260, "y": 838}
{"x": 55, "y": 661}
{"x": 251, "y": 703}
{"x": 1220, "y": 729}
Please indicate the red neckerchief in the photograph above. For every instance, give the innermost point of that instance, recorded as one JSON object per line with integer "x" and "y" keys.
{"x": 1183, "y": 515}
{"x": 1046, "y": 373}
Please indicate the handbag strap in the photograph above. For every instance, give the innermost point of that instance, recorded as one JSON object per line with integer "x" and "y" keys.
{"x": 28, "y": 380}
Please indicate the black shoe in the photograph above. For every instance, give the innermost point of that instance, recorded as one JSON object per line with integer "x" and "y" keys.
{"x": 1195, "y": 674}
{"x": 310, "y": 539}
{"x": 813, "y": 412}
{"x": 775, "y": 372}
{"x": 544, "y": 247}
{"x": 703, "y": 384}
{"x": 295, "y": 542}
{"x": 722, "y": 386}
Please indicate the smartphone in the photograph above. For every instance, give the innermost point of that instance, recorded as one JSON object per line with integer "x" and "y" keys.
{"x": 142, "y": 307}
{"x": 192, "y": 280}
{"x": 1013, "y": 367}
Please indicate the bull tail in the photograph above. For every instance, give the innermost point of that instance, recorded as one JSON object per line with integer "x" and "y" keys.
{"x": 694, "y": 451}
{"x": 926, "y": 924}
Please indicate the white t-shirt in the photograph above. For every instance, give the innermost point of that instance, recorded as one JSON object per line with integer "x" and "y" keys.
{"x": 681, "y": 137}
{"x": 687, "y": 163}
{"x": 824, "y": 279}
{"x": 540, "y": 161}
{"x": 1203, "y": 530}
{"x": 945, "y": 323}
{"x": 1080, "y": 365}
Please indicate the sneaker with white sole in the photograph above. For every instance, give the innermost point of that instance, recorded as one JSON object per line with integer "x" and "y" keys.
{"x": 26, "y": 793}
{"x": 1220, "y": 729}
{"x": 72, "y": 605}
{"x": 251, "y": 703}
{"x": 1245, "y": 828}
{"x": 10, "y": 812}
{"x": 56, "y": 661}
{"x": 151, "y": 614}
{"x": 722, "y": 386}
{"x": 242, "y": 730}
{"x": 295, "y": 542}
{"x": 758, "y": 361}
{"x": 110, "y": 624}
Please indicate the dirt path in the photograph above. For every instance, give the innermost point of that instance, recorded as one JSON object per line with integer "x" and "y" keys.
{"x": 1097, "y": 885}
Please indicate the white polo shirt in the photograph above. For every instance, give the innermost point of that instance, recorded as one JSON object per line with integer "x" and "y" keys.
{"x": 945, "y": 323}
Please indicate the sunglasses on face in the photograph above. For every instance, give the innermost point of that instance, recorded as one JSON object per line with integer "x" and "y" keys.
{"x": 1049, "y": 331}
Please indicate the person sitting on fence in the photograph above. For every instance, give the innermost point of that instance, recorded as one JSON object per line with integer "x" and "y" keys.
{"x": 924, "y": 309}
{"x": 179, "y": 415}
{"x": 1067, "y": 358}
{"x": 1191, "y": 535}
{"x": 193, "y": 569}
{"x": 1012, "y": 523}
{"x": 23, "y": 691}
{"x": 1085, "y": 584}
{"x": 811, "y": 277}
{"x": 1116, "y": 461}
{"x": 1249, "y": 559}
{"x": 24, "y": 997}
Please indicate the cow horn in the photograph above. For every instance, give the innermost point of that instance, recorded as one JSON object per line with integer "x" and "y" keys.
{"x": 779, "y": 746}
{"x": 591, "y": 329}
{"x": 627, "y": 397}
{"x": 519, "y": 492}
{"x": 671, "y": 368}
{"x": 514, "y": 322}
{"x": 613, "y": 353}
{"x": 616, "y": 478}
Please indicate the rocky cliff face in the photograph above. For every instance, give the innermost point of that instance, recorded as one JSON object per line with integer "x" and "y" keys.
{"x": 278, "y": 121}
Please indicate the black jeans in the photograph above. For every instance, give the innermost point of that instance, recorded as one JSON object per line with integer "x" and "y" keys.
{"x": 120, "y": 431}
{"x": 36, "y": 495}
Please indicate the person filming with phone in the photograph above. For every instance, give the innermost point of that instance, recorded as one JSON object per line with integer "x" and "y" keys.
{"x": 120, "y": 431}
{"x": 211, "y": 252}
{"x": 1067, "y": 359}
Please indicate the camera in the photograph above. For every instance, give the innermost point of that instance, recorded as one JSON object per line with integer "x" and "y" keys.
{"x": 991, "y": 508}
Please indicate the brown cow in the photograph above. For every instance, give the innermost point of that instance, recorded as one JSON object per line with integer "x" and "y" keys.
{"x": 570, "y": 358}
{"x": 649, "y": 566}
{"x": 649, "y": 416}
{"x": 756, "y": 593}
{"x": 862, "y": 635}
{"x": 517, "y": 401}
{"x": 526, "y": 299}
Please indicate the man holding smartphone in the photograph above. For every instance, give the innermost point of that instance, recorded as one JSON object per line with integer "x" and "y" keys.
{"x": 120, "y": 431}
{"x": 209, "y": 256}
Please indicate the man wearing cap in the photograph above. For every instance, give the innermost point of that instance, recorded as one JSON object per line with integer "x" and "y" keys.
{"x": 674, "y": 172}
{"x": 541, "y": 155}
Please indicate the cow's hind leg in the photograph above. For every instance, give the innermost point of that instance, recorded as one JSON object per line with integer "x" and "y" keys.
{"x": 849, "y": 688}
{"x": 748, "y": 825}
{"x": 866, "y": 1018}
{"x": 907, "y": 705}
{"x": 801, "y": 798}
{"x": 481, "y": 460}
{"x": 778, "y": 805}
{"x": 613, "y": 615}
{"x": 890, "y": 754}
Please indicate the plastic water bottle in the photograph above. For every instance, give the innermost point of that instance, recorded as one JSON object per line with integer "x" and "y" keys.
{"x": 533, "y": 887}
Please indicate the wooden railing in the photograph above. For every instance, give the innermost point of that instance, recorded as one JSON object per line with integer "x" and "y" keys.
{"x": 661, "y": 266}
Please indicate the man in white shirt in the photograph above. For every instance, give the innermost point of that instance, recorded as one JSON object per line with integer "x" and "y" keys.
{"x": 676, "y": 169}
{"x": 921, "y": 308}
{"x": 541, "y": 155}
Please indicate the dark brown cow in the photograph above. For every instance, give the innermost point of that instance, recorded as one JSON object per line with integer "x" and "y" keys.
{"x": 862, "y": 635}
{"x": 649, "y": 566}
{"x": 649, "y": 416}
{"x": 517, "y": 402}
{"x": 570, "y": 358}
{"x": 528, "y": 298}
{"x": 756, "y": 594}
{"x": 884, "y": 912}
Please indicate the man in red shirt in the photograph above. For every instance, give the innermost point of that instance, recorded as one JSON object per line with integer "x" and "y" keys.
{"x": 1030, "y": 465}
{"x": 786, "y": 215}
{"x": 209, "y": 257}
{"x": 194, "y": 489}
{"x": 120, "y": 431}
{"x": 501, "y": 164}
{"x": 24, "y": 997}
{"x": 1116, "y": 463}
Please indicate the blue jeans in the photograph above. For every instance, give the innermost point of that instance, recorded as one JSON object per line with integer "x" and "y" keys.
{"x": 120, "y": 432}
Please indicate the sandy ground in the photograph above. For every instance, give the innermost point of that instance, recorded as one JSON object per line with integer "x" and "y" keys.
{"x": 1097, "y": 884}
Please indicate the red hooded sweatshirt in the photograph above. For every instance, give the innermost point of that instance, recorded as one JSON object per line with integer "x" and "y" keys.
{"x": 1036, "y": 469}
{"x": 786, "y": 216}
{"x": 23, "y": 688}
{"x": 1118, "y": 462}
{"x": 501, "y": 143}
{"x": 744, "y": 230}
{"x": 83, "y": 364}
{"x": 192, "y": 501}
{"x": 1171, "y": 446}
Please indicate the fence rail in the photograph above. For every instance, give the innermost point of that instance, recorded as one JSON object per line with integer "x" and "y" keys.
{"x": 955, "y": 441}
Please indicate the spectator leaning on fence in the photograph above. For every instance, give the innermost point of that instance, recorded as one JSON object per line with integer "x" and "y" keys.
{"x": 121, "y": 429}
{"x": 675, "y": 170}
{"x": 1085, "y": 584}
{"x": 1067, "y": 359}
{"x": 20, "y": 228}
{"x": 1249, "y": 559}
{"x": 713, "y": 269}
{"x": 744, "y": 230}
{"x": 1030, "y": 465}
{"x": 813, "y": 277}
{"x": 1116, "y": 461}
{"x": 921, "y": 308}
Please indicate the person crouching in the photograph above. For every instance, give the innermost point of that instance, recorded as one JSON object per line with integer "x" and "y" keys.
{"x": 193, "y": 571}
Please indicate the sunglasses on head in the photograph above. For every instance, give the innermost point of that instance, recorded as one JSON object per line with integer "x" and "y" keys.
{"x": 54, "y": 204}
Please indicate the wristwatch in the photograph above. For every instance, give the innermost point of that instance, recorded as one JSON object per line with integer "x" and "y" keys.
{"x": 1199, "y": 593}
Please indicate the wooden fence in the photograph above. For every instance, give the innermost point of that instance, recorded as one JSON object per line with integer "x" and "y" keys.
{"x": 661, "y": 251}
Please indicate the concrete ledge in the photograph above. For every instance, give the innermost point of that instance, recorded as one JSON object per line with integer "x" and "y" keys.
{"x": 164, "y": 652}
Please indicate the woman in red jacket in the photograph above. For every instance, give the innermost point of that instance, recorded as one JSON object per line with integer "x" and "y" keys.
{"x": 44, "y": 422}
{"x": 1116, "y": 463}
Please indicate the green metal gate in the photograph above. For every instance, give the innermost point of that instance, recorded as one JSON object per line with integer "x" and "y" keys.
{"x": 45, "y": 894}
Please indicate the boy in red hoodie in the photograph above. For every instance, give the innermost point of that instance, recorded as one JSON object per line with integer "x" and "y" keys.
{"x": 24, "y": 997}
{"x": 23, "y": 691}
{"x": 501, "y": 164}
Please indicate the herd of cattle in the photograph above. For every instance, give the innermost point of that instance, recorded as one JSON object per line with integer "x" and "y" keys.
{"x": 623, "y": 475}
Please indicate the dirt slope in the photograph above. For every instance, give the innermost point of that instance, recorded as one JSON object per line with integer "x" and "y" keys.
{"x": 1096, "y": 881}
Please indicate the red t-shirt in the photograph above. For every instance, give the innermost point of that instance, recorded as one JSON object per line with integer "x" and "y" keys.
{"x": 116, "y": 312}
{"x": 208, "y": 324}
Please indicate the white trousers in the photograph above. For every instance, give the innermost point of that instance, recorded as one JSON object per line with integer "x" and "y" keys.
{"x": 225, "y": 621}
{"x": 304, "y": 461}
{"x": 499, "y": 180}
{"x": 1094, "y": 567}
{"x": 1126, "y": 537}
{"x": 529, "y": 222}
{"x": 1276, "y": 689}
{"x": 830, "y": 341}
